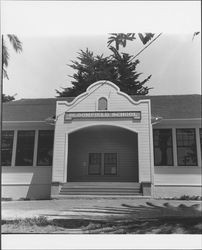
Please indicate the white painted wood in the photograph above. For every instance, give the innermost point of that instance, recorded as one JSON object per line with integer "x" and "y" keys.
{"x": 118, "y": 101}
{"x": 14, "y": 148}
{"x": 35, "y": 147}
{"x": 198, "y": 146}
{"x": 174, "y": 146}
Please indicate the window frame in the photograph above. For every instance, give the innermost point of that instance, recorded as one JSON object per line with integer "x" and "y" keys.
{"x": 182, "y": 146}
{"x": 38, "y": 147}
{"x": 33, "y": 148}
{"x": 98, "y": 103}
{"x": 100, "y": 167}
{"x": 104, "y": 154}
{"x": 171, "y": 147}
{"x": 11, "y": 148}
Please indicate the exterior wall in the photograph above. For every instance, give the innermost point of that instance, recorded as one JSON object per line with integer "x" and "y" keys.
{"x": 101, "y": 139}
{"x": 87, "y": 102}
{"x": 176, "y": 181}
{"x": 29, "y": 182}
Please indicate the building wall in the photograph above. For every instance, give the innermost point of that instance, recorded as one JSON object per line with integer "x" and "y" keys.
{"x": 28, "y": 182}
{"x": 116, "y": 102}
{"x": 176, "y": 181}
{"x": 103, "y": 139}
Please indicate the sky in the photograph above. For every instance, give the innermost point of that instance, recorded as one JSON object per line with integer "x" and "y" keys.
{"x": 53, "y": 33}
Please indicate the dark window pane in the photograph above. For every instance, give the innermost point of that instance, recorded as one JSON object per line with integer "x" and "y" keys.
{"x": 200, "y": 131}
{"x": 94, "y": 167}
{"x": 110, "y": 164}
{"x": 186, "y": 147}
{"x": 102, "y": 104}
{"x": 45, "y": 148}
{"x": 6, "y": 147}
{"x": 163, "y": 149}
{"x": 25, "y": 148}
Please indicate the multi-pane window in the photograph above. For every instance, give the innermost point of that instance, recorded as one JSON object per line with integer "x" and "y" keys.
{"x": 25, "y": 148}
{"x": 6, "y": 147}
{"x": 163, "y": 147}
{"x": 94, "y": 164}
{"x": 186, "y": 147}
{"x": 110, "y": 164}
{"x": 102, "y": 103}
{"x": 45, "y": 148}
{"x": 200, "y": 131}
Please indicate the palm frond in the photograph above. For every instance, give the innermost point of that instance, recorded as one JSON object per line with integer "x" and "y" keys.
{"x": 16, "y": 43}
{"x": 5, "y": 54}
{"x": 145, "y": 38}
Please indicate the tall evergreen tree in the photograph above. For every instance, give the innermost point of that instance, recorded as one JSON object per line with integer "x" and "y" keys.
{"x": 118, "y": 68}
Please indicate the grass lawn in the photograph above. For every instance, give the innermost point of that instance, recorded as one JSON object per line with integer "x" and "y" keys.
{"x": 127, "y": 219}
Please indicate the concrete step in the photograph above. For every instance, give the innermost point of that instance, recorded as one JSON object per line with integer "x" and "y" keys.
{"x": 100, "y": 188}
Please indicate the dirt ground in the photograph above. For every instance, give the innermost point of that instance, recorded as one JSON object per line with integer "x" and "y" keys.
{"x": 102, "y": 216}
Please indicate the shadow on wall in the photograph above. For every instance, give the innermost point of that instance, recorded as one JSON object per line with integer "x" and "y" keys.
{"x": 40, "y": 186}
{"x": 26, "y": 183}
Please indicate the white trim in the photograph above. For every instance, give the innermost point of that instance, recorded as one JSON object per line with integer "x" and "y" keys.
{"x": 14, "y": 148}
{"x": 36, "y": 137}
{"x": 179, "y": 185}
{"x": 23, "y": 121}
{"x": 90, "y": 89}
{"x": 96, "y": 104}
{"x": 198, "y": 147}
{"x": 174, "y": 139}
{"x": 151, "y": 149}
{"x": 182, "y": 119}
{"x": 102, "y": 124}
{"x": 66, "y": 157}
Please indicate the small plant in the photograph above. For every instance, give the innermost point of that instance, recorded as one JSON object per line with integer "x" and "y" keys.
{"x": 6, "y": 199}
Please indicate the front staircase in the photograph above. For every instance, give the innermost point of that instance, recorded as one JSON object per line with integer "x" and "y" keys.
{"x": 101, "y": 188}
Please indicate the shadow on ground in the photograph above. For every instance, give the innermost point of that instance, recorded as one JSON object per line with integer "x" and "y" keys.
{"x": 150, "y": 218}
{"x": 127, "y": 219}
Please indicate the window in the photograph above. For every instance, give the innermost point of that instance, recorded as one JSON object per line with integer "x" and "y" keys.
{"x": 94, "y": 164}
{"x": 102, "y": 103}
{"x": 186, "y": 147}
{"x": 6, "y": 147}
{"x": 25, "y": 148}
{"x": 45, "y": 148}
{"x": 163, "y": 147}
{"x": 110, "y": 164}
{"x": 200, "y": 131}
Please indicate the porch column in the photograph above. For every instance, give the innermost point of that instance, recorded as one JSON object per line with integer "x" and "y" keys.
{"x": 66, "y": 158}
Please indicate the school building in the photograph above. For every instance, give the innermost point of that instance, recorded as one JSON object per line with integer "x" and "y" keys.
{"x": 103, "y": 142}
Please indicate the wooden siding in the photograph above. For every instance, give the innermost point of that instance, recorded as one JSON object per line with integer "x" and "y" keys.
{"x": 26, "y": 175}
{"x": 103, "y": 139}
{"x": 26, "y": 182}
{"x": 176, "y": 191}
{"x": 184, "y": 176}
{"x": 116, "y": 102}
{"x": 177, "y": 176}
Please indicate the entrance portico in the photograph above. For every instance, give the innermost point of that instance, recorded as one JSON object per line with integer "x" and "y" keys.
{"x": 103, "y": 136}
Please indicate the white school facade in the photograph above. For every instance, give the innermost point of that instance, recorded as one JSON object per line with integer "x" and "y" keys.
{"x": 103, "y": 142}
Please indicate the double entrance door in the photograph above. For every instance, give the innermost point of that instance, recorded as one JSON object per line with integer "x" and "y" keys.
{"x": 102, "y": 164}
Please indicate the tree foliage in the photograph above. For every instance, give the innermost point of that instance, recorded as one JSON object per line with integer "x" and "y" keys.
{"x": 118, "y": 68}
{"x": 7, "y": 98}
{"x": 17, "y": 46}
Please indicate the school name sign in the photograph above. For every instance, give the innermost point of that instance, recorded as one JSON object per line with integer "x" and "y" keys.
{"x": 136, "y": 115}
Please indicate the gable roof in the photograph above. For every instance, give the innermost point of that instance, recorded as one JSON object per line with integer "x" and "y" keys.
{"x": 165, "y": 106}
